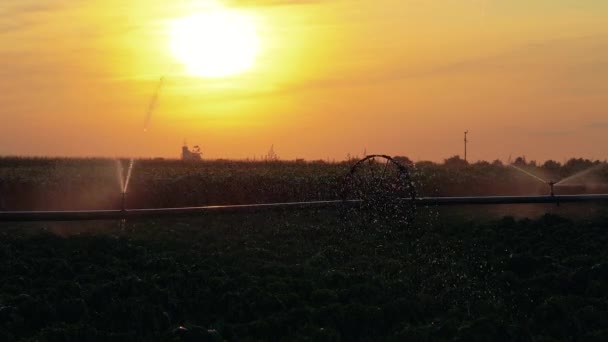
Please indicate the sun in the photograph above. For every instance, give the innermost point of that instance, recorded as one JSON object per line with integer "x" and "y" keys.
{"x": 215, "y": 43}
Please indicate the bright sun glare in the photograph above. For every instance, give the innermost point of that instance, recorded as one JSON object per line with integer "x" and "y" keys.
{"x": 215, "y": 43}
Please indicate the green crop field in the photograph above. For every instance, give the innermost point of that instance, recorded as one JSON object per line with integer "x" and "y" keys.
{"x": 466, "y": 273}
{"x": 305, "y": 276}
{"x": 64, "y": 184}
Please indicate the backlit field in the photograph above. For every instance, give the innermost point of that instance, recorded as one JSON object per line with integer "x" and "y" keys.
{"x": 305, "y": 277}
{"x": 65, "y": 184}
{"x": 466, "y": 273}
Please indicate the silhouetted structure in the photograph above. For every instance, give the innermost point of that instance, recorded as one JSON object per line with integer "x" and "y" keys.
{"x": 194, "y": 154}
{"x": 465, "y": 145}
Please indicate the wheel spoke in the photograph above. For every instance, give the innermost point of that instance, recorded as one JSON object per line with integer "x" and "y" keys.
{"x": 379, "y": 187}
{"x": 383, "y": 173}
{"x": 372, "y": 162}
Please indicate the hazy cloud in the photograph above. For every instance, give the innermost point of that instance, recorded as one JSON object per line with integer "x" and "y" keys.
{"x": 553, "y": 133}
{"x": 274, "y": 2}
{"x": 530, "y": 54}
{"x": 509, "y": 59}
{"x": 16, "y": 15}
{"x": 597, "y": 125}
{"x": 13, "y": 8}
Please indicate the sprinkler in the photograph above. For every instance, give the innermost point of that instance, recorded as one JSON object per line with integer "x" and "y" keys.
{"x": 552, "y": 186}
{"x": 124, "y": 198}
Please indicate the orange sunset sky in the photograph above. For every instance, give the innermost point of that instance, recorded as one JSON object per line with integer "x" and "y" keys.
{"x": 328, "y": 78}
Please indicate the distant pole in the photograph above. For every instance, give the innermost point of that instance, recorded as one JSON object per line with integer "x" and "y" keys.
{"x": 465, "y": 145}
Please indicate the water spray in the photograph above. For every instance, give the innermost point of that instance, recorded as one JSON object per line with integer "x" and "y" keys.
{"x": 121, "y": 181}
{"x": 529, "y": 174}
{"x": 551, "y": 183}
{"x": 120, "y": 174}
{"x": 126, "y": 184}
{"x": 569, "y": 180}
{"x": 124, "y": 181}
{"x": 131, "y": 163}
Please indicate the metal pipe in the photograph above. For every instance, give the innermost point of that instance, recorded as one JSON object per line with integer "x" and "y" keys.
{"x": 494, "y": 200}
{"x": 83, "y": 215}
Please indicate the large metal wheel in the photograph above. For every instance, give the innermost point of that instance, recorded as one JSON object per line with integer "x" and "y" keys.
{"x": 379, "y": 190}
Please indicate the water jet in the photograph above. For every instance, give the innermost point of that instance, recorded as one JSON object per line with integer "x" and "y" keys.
{"x": 568, "y": 180}
{"x": 528, "y": 173}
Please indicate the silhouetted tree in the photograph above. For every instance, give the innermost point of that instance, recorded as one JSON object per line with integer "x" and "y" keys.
{"x": 455, "y": 161}
{"x": 552, "y": 165}
{"x": 271, "y": 155}
{"x": 425, "y": 163}
{"x": 403, "y": 160}
{"x": 520, "y": 161}
{"x": 577, "y": 164}
{"x": 482, "y": 163}
{"x": 497, "y": 163}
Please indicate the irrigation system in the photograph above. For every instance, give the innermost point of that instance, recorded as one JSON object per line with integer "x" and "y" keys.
{"x": 25, "y": 216}
{"x": 372, "y": 182}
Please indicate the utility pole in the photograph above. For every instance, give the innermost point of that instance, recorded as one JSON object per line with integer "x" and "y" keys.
{"x": 465, "y": 145}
